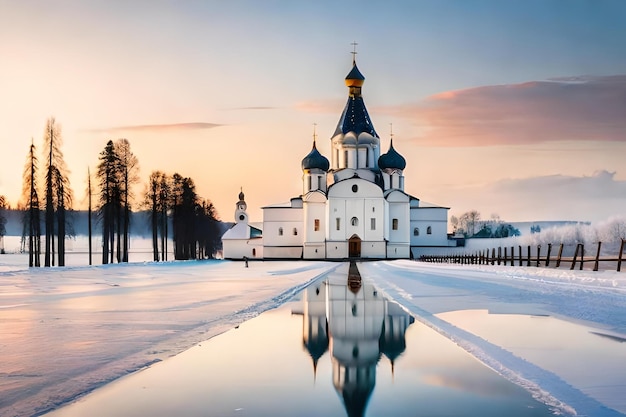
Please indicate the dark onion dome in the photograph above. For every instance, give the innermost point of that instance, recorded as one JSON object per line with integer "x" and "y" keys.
{"x": 392, "y": 159}
{"x": 315, "y": 160}
{"x": 354, "y": 77}
{"x": 355, "y": 117}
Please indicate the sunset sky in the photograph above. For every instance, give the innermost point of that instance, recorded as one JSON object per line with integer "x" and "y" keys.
{"x": 509, "y": 107}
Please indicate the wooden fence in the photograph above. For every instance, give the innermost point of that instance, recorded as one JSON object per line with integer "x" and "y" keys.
{"x": 531, "y": 258}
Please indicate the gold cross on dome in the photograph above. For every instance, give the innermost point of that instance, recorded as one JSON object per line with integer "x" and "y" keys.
{"x": 354, "y": 52}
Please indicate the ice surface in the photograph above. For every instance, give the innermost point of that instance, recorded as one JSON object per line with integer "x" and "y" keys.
{"x": 66, "y": 331}
{"x": 575, "y": 296}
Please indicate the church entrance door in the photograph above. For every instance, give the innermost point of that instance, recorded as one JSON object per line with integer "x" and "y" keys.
{"x": 354, "y": 247}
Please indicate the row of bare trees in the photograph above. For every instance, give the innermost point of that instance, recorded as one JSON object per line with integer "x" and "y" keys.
{"x": 57, "y": 200}
{"x": 195, "y": 226}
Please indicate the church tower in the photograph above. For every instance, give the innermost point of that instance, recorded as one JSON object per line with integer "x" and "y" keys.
{"x": 391, "y": 165}
{"x": 240, "y": 211}
{"x": 314, "y": 169}
{"x": 355, "y": 145}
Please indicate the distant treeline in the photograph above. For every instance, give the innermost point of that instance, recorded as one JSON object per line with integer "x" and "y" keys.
{"x": 169, "y": 208}
{"x": 140, "y": 223}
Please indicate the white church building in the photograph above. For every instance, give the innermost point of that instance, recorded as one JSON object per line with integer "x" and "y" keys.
{"x": 353, "y": 206}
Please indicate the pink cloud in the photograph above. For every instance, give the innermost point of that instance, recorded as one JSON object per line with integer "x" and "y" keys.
{"x": 157, "y": 128}
{"x": 564, "y": 109}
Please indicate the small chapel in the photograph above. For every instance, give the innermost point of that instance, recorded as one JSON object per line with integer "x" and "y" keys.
{"x": 352, "y": 206}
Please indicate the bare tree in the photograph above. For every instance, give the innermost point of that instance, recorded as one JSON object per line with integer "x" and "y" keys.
{"x": 128, "y": 172}
{"x": 31, "y": 221}
{"x": 108, "y": 180}
{"x": 3, "y": 221}
{"x": 58, "y": 193}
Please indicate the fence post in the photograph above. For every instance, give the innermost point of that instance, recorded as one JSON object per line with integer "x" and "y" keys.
{"x": 499, "y": 254}
{"x": 538, "y": 255}
{"x": 619, "y": 260}
{"x": 528, "y": 257}
{"x": 505, "y": 255}
{"x": 575, "y": 256}
{"x": 548, "y": 255}
{"x": 512, "y": 255}
{"x": 595, "y": 265}
{"x": 558, "y": 258}
{"x": 582, "y": 255}
{"x": 493, "y": 256}
{"x": 520, "y": 254}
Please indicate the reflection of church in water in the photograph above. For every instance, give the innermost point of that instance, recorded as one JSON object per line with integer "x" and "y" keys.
{"x": 357, "y": 325}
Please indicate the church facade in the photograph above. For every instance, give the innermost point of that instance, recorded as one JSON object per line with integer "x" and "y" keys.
{"x": 352, "y": 206}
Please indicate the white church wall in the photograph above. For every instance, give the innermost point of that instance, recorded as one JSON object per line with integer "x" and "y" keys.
{"x": 434, "y": 217}
{"x": 314, "y": 250}
{"x": 314, "y": 226}
{"x": 240, "y": 248}
{"x": 373, "y": 249}
{"x": 402, "y": 251}
{"x": 282, "y": 227}
{"x": 275, "y": 252}
{"x": 336, "y": 249}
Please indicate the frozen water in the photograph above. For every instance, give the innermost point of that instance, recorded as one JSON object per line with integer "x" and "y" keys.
{"x": 338, "y": 350}
{"x": 66, "y": 331}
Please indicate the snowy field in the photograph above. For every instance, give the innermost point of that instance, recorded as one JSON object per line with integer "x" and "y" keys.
{"x": 68, "y": 331}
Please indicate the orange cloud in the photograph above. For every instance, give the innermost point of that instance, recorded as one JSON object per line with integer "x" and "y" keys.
{"x": 156, "y": 128}
{"x": 564, "y": 109}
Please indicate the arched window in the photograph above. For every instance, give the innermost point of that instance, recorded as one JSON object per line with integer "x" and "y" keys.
{"x": 309, "y": 180}
{"x": 280, "y": 231}
{"x": 316, "y": 225}
{"x": 416, "y": 231}
{"x": 429, "y": 230}
{"x": 295, "y": 231}
{"x": 253, "y": 252}
{"x": 394, "y": 224}
{"x": 354, "y": 221}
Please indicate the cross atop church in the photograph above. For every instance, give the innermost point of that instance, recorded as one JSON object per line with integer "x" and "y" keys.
{"x": 391, "y": 130}
{"x": 354, "y": 52}
{"x": 314, "y": 132}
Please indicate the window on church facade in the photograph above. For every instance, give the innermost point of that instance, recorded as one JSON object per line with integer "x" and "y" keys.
{"x": 316, "y": 225}
{"x": 280, "y": 231}
{"x": 429, "y": 230}
{"x": 295, "y": 231}
{"x": 373, "y": 223}
{"x": 354, "y": 221}
{"x": 345, "y": 159}
{"x": 394, "y": 224}
{"x": 416, "y": 231}
{"x": 319, "y": 183}
{"x": 338, "y": 221}
{"x": 309, "y": 189}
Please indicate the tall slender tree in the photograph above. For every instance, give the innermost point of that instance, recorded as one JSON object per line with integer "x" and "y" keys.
{"x": 89, "y": 213}
{"x": 117, "y": 173}
{"x": 31, "y": 219}
{"x": 164, "y": 205}
{"x": 3, "y": 221}
{"x": 128, "y": 173}
{"x": 58, "y": 193}
{"x": 109, "y": 198}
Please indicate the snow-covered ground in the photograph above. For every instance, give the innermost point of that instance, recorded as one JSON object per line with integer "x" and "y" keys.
{"x": 589, "y": 382}
{"x": 67, "y": 331}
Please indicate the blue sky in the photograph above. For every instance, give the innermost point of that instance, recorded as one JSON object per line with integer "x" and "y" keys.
{"x": 480, "y": 93}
